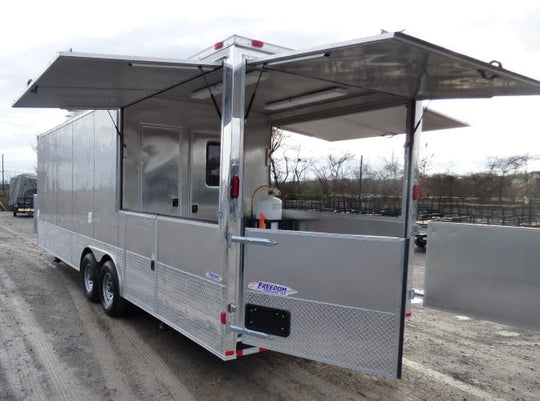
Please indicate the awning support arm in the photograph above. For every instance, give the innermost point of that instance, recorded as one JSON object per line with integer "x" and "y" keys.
{"x": 420, "y": 120}
{"x": 211, "y": 94}
{"x": 254, "y": 93}
{"x": 114, "y": 123}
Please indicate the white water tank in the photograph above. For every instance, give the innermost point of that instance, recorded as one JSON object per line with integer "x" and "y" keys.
{"x": 270, "y": 206}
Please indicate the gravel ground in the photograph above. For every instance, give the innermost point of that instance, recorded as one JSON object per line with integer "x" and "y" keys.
{"x": 54, "y": 345}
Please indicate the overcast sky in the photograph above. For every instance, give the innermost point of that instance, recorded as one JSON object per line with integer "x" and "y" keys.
{"x": 32, "y": 32}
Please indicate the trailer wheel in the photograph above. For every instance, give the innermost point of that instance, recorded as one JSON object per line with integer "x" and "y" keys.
{"x": 109, "y": 290}
{"x": 89, "y": 277}
{"x": 420, "y": 242}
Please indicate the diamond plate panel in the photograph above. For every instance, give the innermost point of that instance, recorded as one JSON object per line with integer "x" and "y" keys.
{"x": 139, "y": 282}
{"x": 192, "y": 305}
{"x": 370, "y": 343}
{"x": 80, "y": 242}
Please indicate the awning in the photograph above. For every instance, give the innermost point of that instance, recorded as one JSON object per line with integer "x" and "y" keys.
{"x": 381, "y": 122}
{"x": 89, "y": 81}
{"x": 399, "y": 65}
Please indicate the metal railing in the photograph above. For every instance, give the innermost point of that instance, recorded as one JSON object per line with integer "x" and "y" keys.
{"x": 525, "y": 214}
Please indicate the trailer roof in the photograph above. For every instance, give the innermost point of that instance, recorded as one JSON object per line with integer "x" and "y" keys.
{"x": 91, "y": 81}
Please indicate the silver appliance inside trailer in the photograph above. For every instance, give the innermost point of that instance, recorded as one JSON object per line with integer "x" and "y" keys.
{"x": 140, "y": 189}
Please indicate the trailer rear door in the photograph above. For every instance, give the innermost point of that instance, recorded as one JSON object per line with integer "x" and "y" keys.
{"x": 333, "y": 298}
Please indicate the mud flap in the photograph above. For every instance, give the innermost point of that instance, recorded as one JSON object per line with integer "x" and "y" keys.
{"x": 343, "y": 296}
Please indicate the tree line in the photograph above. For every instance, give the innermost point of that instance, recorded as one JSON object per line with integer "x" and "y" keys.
{"x": 503, "y": 180}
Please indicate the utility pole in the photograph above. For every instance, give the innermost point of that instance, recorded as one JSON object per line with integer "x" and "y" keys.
{"x": 360, "y": 183}
{"x": 3, "y": 182}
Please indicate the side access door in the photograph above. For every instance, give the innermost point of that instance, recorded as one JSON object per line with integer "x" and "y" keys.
{"x": 334, "y": 298}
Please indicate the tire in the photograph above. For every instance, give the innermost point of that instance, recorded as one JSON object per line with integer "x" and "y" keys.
{"x": 420, "y": 242}
{"x": 14, "y": 213}
{"x": 89, "y": 277}
{"x": 109, "y": 290}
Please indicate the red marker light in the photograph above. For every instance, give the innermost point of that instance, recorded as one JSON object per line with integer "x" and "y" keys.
{"x": 416, "y": 192}
{"x": 229, "y": 353}
{"x": 257, "y": 43}
{"x": 408, "y": 314}
{"x": 218, "y": 45}
{"x": 223, "y": 318}
{"x": 235, "y": 187}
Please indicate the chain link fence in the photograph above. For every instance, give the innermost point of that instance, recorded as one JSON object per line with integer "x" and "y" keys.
{"x": 525, "y": 214}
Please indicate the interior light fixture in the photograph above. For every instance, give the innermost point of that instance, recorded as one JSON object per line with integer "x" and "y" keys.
{"x": 306, "y": 99}
{"x": 217, "y": 89}
{"x": 166, "y": 66}
{"x": 299, "y": 58}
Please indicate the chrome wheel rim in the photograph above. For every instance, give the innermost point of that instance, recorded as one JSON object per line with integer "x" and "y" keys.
{"x": 88, "y": 279}
{"x": 108, "y": 290}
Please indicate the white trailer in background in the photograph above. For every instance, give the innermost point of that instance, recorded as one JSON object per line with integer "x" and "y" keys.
{"x": 150, "y": 195}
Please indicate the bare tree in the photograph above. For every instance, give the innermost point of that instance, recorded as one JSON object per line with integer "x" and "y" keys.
{"x": 299, "y": 164}
{"x": 370, "y": 179}
{"x": 339, "y": 166}
{"x": 503, "y": 166}
{"x": 425, "y": 162}
{"x": 287, "y": 164}
{"x": 332, "y": 172}
{"x": 392, "y": 174}
{"x": 279, "y": 166}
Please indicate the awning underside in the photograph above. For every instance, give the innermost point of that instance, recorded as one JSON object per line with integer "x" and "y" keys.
{"x": 85, "y": 81}
{"x": 349, "y": 90}
{"x": 382, "y": 122}
{"x": 401, "y": 65}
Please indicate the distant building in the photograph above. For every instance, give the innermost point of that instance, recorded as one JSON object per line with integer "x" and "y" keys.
{"x": 534, "y": 182}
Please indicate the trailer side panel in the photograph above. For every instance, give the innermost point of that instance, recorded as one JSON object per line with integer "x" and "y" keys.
{"x": 486, "y": 271}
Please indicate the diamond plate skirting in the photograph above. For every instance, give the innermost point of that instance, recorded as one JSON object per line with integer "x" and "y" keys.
{"x": 192, "y": 305}
{"x": 370, "y": 343}
{"x": 80, "y": 242}
{"x": 139, "y": 283}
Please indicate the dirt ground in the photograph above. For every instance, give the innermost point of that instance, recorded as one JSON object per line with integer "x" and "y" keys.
{"x": 55, "y": 345}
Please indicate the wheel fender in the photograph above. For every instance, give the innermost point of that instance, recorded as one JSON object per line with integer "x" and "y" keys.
{"x": 100, "y": 255}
